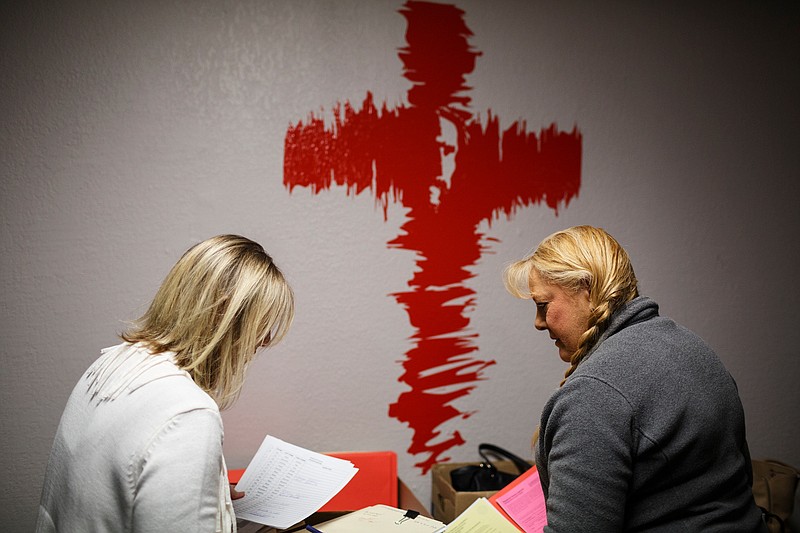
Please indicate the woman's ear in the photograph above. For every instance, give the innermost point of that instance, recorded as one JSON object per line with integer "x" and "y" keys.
{"x": 586, "y": 287}
{"x": 586, "y": 296}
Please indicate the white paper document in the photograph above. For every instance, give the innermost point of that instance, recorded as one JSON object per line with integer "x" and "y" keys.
{"x": 284, "y": 483}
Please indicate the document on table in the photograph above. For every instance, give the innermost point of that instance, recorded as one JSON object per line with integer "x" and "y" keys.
{"x": 523, "y": 502}
{"x": 380, "y": 519}
{"x": 481, "y": 517}
{"x": 284, "y": 483}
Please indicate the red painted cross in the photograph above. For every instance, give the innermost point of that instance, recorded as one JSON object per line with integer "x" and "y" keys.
{"x": 452, "y": 172}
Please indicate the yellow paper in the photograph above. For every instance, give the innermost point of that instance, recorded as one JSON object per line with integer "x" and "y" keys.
{"x": 481, "y": 517}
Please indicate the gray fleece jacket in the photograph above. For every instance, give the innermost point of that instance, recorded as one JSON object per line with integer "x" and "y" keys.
{"x": 647, "y": 434}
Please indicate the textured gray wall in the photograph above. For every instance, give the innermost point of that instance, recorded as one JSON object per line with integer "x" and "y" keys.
{"x": 131, "y": 130}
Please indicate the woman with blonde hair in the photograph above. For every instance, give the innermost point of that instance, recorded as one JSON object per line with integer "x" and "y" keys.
{"x": 139, "y": 446}
{"x": 646, "y": 431}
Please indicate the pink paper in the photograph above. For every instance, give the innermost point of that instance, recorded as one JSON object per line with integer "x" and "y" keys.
{"x": 523, "y": 502}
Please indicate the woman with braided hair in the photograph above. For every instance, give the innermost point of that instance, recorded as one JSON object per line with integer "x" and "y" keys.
{"x": 646, "y": 431}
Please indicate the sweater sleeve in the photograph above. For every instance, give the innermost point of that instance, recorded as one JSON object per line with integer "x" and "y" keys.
{"x": 178, "y": 482}
{"x": 587, "y": 442}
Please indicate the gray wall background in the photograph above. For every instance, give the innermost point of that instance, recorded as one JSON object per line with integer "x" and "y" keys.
{"x": 131, "y": 130}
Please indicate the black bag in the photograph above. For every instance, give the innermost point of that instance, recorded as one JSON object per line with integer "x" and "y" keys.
{"x": 486, "y": 476}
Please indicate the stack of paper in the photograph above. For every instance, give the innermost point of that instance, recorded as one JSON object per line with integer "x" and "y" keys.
{"x": 520, "y": 506}
{"x": 480, "y": 516}
{"x": 284, "y": 483}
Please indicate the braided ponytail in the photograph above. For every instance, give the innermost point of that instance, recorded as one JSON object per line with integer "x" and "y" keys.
{"x": 598, "y": 322}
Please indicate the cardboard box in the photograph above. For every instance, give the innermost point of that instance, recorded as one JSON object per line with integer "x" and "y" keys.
{"x": 447, "y": 503}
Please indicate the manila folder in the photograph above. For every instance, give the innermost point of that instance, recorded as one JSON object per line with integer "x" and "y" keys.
{"x": 381, "y": 518}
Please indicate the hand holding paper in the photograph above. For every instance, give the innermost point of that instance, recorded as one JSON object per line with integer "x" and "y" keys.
{"x": 285, "y": 483}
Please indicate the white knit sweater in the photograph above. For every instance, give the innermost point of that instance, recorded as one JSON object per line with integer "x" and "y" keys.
{"x": 139, "y": 448}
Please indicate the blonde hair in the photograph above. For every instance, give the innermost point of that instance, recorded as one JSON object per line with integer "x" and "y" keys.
{"x": 581, "y": 257}
{"x": 221, "y": 301}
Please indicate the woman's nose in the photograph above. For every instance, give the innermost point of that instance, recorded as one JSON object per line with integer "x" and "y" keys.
{"x": 540, "y": 323}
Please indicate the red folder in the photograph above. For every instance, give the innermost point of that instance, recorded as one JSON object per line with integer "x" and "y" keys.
{"x": 374, "y": 483}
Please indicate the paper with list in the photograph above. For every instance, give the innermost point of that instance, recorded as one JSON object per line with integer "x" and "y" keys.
{"x": 284, "y": 483}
